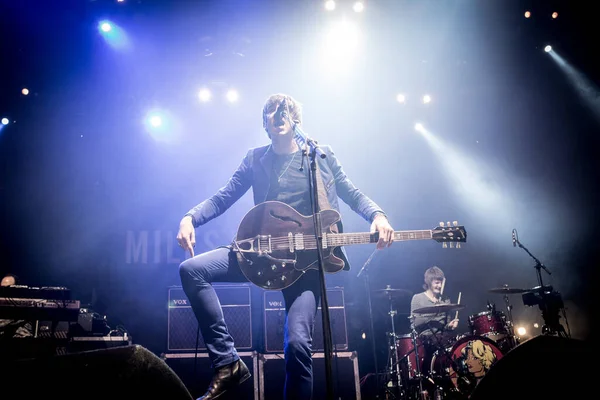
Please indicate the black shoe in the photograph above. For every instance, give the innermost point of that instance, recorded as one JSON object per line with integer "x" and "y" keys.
{"x": 225, "y": 378}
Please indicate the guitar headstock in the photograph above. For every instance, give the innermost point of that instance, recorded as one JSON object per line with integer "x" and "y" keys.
{"x": 449, "y": 233}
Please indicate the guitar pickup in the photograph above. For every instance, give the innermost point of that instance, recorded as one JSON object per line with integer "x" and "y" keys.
{"x": 299, "y": 241}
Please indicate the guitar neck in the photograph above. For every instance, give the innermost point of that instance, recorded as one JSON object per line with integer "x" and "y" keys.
{"x": 345, "y": 239}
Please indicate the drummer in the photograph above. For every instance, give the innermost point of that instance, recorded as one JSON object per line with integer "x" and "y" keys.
{"x": 430, "y": 324}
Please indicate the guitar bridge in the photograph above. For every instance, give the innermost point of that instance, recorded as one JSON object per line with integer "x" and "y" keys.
{"x": 260, "y": 244}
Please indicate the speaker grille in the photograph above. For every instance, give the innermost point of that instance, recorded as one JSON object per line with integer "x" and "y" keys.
{"x": 183, "y": 327}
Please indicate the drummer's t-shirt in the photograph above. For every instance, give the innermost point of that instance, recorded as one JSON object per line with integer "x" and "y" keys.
{"x": 428, "y": 324}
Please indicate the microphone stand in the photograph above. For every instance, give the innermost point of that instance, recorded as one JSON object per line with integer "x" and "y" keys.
{"x": 548, "y": 300}
{"x": 372, "y": 333}
{"x": 302, "y": 139}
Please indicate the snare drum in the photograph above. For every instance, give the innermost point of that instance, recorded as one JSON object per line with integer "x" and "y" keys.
{"x": 461, "y": 367}
{"x": 491, "y": 324}
{"x": 408, "y": 357}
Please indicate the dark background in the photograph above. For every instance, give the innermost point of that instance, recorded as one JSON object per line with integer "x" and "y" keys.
{"x": 79, "y": 172}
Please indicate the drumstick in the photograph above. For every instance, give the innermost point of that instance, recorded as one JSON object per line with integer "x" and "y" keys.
{"x": 456, "y": 317}
{"x": 443, "y": 284}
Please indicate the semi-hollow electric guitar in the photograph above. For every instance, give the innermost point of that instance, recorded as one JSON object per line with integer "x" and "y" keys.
{"x": 276, "y": 244}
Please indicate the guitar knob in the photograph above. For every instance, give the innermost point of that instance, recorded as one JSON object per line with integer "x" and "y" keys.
{"x": 283, "y": 277}
{"x": 268, "y": 283}
{"x": 259, "y": 273}
{"x": 455, "y": 223}
{"x": 282, "y": 265}
{"x": 273, "y": 267}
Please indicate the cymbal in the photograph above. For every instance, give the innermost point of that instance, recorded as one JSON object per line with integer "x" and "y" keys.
{"x": 393, "y": 292}
{"x": 508, "y": 290}
{"x": 440, "y": 308}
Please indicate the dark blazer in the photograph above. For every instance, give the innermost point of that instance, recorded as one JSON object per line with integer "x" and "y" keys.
{"x": 255, "y": 171}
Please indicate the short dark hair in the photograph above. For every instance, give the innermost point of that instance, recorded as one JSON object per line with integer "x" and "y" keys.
{"x": 432, "y": 274}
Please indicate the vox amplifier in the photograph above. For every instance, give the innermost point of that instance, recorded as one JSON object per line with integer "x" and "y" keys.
{"x": 274, "y": 319}
{"x": 182, "y": 325}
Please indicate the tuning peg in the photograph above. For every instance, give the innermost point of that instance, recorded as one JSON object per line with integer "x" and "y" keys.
{"x": 444, "y": 245}
{"x": 455, "y": 223}
{"x": 442, "y": 224}
{"x": 448, "y": 224}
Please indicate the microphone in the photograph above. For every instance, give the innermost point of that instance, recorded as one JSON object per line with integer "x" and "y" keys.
{"x": 514, "y": 237}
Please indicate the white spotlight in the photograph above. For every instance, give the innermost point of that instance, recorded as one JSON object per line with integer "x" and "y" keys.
{"x": 155, "y": 121}
{"x": 521, "y": 331}
{"x": 25, "y": 91}
{"x": 401, "y": 98}
{"x": 330, "y": 5}
{"x": 358, "y": 6}
{"x": 5, "y": 121}
{"x": 548, "y": 49}
{"x": 232, "y": 95}
{"x": 105, "y": 27}
{"x": 419, "y": 127}
{"x": 204, "y": 95}
{"x": 426, "y": 99}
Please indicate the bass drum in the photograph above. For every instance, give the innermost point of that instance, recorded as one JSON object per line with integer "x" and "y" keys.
{"x": 461, "y": 367}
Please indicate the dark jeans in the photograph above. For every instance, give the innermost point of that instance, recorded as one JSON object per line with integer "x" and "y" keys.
{"x": 301, "y": 301}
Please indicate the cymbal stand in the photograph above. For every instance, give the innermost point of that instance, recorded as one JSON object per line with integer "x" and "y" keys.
{"x": 394, "y": 362}
{"x": 416, "y": 350}
{"x": 511, "y": 326}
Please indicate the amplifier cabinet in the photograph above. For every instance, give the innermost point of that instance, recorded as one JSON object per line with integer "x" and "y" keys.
{"x": 182, "y": 327}
{"x": 274, "y": 321}
{"x": 345, "y": 374}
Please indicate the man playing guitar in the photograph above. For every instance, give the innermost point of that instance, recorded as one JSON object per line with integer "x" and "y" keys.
{"x": 276, "y": 172}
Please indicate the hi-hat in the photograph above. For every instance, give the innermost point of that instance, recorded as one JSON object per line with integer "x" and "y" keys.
{"x": 440, "y": 308}
{"x": 508, "y": 290}
{"x": 388, "y": 291}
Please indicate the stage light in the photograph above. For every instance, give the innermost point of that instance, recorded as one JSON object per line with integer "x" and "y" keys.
{"x": 401, "y": 98}
{"x": 330, "y": 5}
{"x": 555, "y": 15}
{"x": 204, "y": 95}
{"x": 113, "y": 34}
{"x": 358, "y": 6}
{"x": 364, "y": 335}
{"x": 25, "y": 91}
{"x": 536, "y": 325}
{"x": 521, "y": 331}
{"x": 419, "y": 127}
{"x": 548, "y": 49}
{"x": 105, "y": 27}
{"x": 232, "y": 95}
{"x": 426, "y": 99}
{"x": 4, "y": 121}
{"x": 527, "y": 14}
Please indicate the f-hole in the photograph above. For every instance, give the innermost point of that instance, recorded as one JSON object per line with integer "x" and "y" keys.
{"x": 284, "y": 218}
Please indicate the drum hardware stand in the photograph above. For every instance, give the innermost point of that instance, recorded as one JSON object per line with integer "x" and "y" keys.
{"x": 416, "y": 350}
{"x": 365, "y": 270}
{"x": 511, "y": 326}
{"x": 548, "y": 300}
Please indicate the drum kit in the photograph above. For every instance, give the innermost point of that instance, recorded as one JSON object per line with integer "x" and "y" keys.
{"x": 443, "y": 364}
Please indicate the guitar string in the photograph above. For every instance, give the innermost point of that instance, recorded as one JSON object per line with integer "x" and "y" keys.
{"x": 365, "y": 238}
